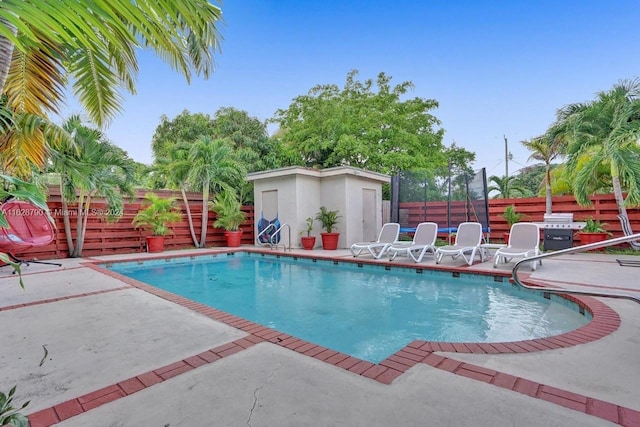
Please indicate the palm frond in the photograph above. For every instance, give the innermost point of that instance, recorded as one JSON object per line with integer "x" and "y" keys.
{"x": 66, "y": 22}
{"x": 35, "y": 82}
{"x": 95, "y": 85}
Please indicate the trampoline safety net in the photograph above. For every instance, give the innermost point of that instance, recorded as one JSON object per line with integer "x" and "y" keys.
{"x": 417, "y": 196}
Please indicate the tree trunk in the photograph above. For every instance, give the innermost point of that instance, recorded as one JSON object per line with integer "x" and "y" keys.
{"x": 83, "y": 227}
{"x": 189, "y": 218}
{"x": 79, "y": 217}
{"x": 205, "y": 214}
{"x": 6, "y": 53}
{"x": 617, "y": 193}
{"x": 547, "y": 187}
{"x": 65, "y": 220}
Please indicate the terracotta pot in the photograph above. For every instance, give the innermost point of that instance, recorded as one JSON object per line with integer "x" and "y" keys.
{"x": 308, "y": 242}
{"x": 155, "y": 243}
{"x": 586, "y": 238}
{"x": 330, "y": 241}
{"x": 505, "y": 236}
{"x": 233, "y": 238}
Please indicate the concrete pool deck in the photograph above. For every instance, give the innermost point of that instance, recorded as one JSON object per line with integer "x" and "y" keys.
{"x": 119, "y": 355}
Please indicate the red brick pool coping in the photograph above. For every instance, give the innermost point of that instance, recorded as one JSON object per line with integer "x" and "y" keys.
{"x": 604, "y": 321}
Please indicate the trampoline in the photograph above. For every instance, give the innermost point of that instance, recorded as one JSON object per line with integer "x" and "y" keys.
{"x": 417, "y": 196}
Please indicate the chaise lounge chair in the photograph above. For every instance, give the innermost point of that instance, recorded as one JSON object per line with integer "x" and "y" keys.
{"x": 424, "y": 241}
{"x": 388, "y": 236}
{"x": 635, "y": 244}
{"x": 626, "y": 229}
{"x": 466, "y": 245}
{"x": 524, "y": 242}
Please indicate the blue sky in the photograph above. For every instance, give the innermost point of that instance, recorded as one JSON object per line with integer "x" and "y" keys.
{"x": 497, "y": 69}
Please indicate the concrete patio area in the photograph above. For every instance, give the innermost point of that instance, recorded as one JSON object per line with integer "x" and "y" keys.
{"x": 118, "y": 354}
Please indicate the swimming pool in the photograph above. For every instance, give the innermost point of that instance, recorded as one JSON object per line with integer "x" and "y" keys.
{"x": 366, "y": 311}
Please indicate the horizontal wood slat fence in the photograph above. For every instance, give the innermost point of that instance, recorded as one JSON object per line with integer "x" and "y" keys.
{"x": 104, "y": 238}
{"x": 604, "y": 209}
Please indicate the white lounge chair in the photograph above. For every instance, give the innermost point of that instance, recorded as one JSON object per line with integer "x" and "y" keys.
{"x": 388, "y": 235}
{"x": 466, "y": 245}
{"x": 524, "y": 242}
{"x": 424, "y": 241}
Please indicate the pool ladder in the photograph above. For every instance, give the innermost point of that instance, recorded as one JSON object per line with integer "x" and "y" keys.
{"x": 577, "y": 249}
{"x": 271, "y": 241}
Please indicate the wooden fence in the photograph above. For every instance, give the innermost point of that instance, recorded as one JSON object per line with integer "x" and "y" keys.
{"x": 604, "y": 209}
{"x": 104, "y": 238}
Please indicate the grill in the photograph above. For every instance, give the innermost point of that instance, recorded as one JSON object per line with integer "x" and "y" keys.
{"x": 558, "y": 230}
{"x": 561, "y": 220}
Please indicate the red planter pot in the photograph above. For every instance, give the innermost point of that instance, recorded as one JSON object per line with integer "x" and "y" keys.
{"x": 586, "y": 238}
{"x": 308, "y": 242}
{"x": 155, "y": 243}
{"x": 233, "y": 238}
{"x": 330, "y": 241}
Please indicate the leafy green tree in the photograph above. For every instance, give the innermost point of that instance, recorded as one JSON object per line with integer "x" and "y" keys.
{"x": 505, "y": 187}
{"x": 458, "y": 169}
{"x": 531, "y": 179}
{"x": 91, "y": 168}
{"x": 602, "y": 136}
{"x": 361, "y": 127}
{"x": 433, "y": 183}
{"x": 212, "y": 166}
{"x": 185, "y": 127}
{"x": 253, "y": 147}
{"x": 142, "y": 175}
{"x": 248, "y": 135}
{"x": 546, "y": 148}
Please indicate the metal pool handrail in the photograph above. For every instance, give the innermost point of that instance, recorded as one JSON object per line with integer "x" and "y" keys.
{"x": 275, "y": 234}
{"x": 577, "y": 249}
{"x": 266, "y": 229}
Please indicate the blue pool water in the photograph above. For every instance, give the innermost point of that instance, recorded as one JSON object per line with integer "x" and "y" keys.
{"x": 364, "y": 311}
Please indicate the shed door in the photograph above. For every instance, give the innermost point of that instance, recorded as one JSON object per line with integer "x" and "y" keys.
{"x": 369, "y": 215}
{"x": 270, "y": 204}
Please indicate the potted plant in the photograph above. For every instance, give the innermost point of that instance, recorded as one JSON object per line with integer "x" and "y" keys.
{"x": 157, "y": 216}
{"x": 229, "y": 216}
{"x": 328, "y": 219}
{"x": 308, "y": 241}
{"x": 512, "y": 217}
{"x": 593, "y": 231}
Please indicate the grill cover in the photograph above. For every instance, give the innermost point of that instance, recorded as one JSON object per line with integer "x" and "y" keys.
{"x": 558, "y": 218}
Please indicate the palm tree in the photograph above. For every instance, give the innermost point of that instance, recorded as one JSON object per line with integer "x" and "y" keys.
{"x": 505, "y": 187}
{"x": 212, "y": 166}
{"x": 25, "y": 139}
{"x": 605, "y": 132}
{"x": 545, "y": 148}
{"x": 175, "y": 171}
{"x": 92, "y": 168}
{"x": 95, "y": 43}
